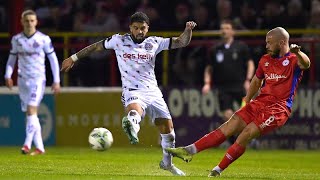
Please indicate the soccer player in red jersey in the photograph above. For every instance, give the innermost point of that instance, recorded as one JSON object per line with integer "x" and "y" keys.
{"x": 278, "y": 74}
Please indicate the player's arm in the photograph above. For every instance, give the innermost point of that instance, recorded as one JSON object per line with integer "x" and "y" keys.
{"x": 250, "y": 72}
{"x": 10, "y": 64}
{"x": 250, "y": 69}
{"x": 255, "y": 85}
{"x": 9, "y": 70}
{"x": 69, "y": 62}
{"x": 55, "y": 71}
{"x": 185, "y": 37}
{"x": 303, "y": 59}
{"x": 207, "y": 79}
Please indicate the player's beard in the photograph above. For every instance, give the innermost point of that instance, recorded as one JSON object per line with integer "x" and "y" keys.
{"x": 140, "y": 40}
{"x": 275, "y": 53}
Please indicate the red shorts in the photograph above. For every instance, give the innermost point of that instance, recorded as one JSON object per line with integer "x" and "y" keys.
{"x": 266, "y": 112}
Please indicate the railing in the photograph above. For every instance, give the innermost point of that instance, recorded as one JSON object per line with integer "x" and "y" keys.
{"x": 66, "y": 45}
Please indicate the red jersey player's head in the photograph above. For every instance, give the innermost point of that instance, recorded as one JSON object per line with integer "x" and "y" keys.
{"x": 277, "y": 42}
{"x": 29, "y": 22}
{"x": 139, "y": 26}
{"x": 226, "y": 30}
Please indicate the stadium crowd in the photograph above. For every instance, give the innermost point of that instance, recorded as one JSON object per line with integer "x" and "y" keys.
{"x": 165, "y": 15}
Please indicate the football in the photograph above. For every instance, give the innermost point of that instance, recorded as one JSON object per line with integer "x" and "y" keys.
{"x": 100, "y": 139}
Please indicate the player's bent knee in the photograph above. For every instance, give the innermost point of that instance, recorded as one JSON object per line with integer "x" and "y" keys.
{"x": 248, "y": 133}
{"x": 233, "y": 126}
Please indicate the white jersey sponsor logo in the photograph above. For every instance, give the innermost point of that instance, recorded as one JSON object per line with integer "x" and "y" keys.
{"x": 274, "y": 76}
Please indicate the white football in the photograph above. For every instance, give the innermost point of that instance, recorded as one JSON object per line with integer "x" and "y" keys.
{"x": 100, "y": 139}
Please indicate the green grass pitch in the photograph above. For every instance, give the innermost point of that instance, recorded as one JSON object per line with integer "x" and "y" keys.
{"x": 142, "y": 163}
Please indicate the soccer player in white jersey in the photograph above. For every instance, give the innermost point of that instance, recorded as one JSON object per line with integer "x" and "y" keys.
{"x": 136, "y": 55}
{"x": 30, "y": 48}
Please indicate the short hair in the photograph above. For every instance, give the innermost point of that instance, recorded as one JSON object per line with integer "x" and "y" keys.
{"x": 139, "y": 17}
{"x": 227, "y": 21}
{"x": 28, "y": 12}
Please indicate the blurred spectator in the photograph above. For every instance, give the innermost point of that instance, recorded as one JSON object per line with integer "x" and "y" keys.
{"x": 201, "y": 16}
{"x": 224, "y": 11}
{"x": 272, "y": 15}
{"x": 296, "y": 17}
{"x": 156, "y": 22}
{"x": 182, "y": 15}
{"x": 247, "y": 18}
{"x": 3, "y": 19}
{"x": 187, "y": 65}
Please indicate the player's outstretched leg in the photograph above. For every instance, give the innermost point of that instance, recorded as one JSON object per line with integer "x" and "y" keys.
{"x": 212, "y": 139}
{"x": 167, "y": 141}
{"x": 131, "y": 127}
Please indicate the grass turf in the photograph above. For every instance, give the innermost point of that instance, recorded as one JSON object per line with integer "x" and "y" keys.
{"x": 143, "y": 163}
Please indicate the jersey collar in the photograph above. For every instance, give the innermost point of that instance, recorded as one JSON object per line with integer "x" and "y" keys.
{"x": 286, "y": 55}
{"x": 30, "y": 35}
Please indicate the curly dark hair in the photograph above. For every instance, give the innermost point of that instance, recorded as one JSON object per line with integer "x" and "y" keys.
{"x": 139, "y": 17}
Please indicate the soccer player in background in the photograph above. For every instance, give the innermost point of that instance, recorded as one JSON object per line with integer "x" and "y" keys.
{"x": 278, "y": 75}
{"x": 231, "y": 56}
{"x": 30, "y": 47}
{"x": 136, "y": 55}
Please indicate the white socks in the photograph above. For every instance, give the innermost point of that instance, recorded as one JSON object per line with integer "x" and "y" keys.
{"x": 167, "y": 140}
{"x": 30, "y": 130}
{"x": 218, "y": 169}
{"x": 191, "y": 149}
{"x": 37, "y": 138}
{"x": 135, "y": 118}
{"x": 33, "y": 132}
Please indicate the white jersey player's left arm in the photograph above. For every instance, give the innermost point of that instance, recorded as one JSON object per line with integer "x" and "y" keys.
{"x": 49, "y": 50}
{"x": 11, "y": 60}
{"x": 185, "y": 37}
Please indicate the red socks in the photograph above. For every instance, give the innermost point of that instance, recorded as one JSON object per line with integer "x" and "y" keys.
{"x": 213, "y": 139}
{"x": 233, "y": 153}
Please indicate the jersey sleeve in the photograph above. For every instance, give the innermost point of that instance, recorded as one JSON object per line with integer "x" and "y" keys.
{"x": 111, "y": 42}
{"x": 259, "y": 71}
{"x": 48, "y": 47}
{"x": 164, "y": 44}
{"x": 13, "y": 50}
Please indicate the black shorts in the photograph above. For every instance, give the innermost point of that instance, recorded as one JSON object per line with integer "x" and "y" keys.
{"x": 227, "y": 99}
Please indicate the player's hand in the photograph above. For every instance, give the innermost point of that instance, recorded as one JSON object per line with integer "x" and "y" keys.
{"x": 67, "y": 64}
{"x": 190, "y": 25}
{"x": 55, "y": 88}
{"x": 206, "y": 88}
{"x": 294, "y": 48}
{"x": 9, "y": 83}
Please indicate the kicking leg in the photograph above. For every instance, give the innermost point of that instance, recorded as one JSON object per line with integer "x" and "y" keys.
{"x": 130, "y": 123}
{"x": 213, "y": 139}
